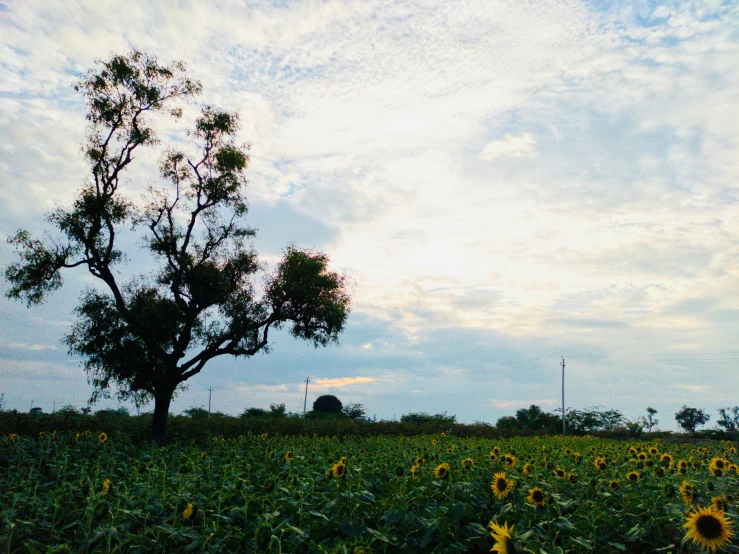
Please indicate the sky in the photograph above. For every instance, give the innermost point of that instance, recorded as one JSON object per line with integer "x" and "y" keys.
{"x": 505, "y": 182}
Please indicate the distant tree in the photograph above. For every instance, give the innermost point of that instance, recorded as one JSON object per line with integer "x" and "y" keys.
{"x": 729, "y": 418}
{"x": 68, "y": 409}
{"x": 508, "y": 423}
{"x": 595, "y": 418}
{"x": 277, "y": 410}
{"x": 535, "y": 418}
{"x": 327, "y": 404}
{"x": 196, "y": 412}
{"x": 254, "y": 412}
{"x": 354, "y": 411}
{"x": 423, "y": 417}
{"x": 649, "y": 422}
{"x": 146, "y": 337}
{"x": 690, "y": 418}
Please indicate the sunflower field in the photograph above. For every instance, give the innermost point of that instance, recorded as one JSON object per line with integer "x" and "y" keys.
{"x": 88, "y": 492}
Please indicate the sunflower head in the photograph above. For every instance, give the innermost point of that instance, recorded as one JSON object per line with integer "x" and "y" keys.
{"x": 687, "y": 491}
{"x": 501, "y": 485}
{"x": 493, "y": 456}
{"x": 289, "y": 455}
{"x": 503, "y": 537}
{"x": 415, "y": 470}
{"x": 719, "y": 503}
{"x": 633, "y": 476}
{"x": 338, "y": 470}
{"x": 442, "y": 471}
{"x": 188, "y": 512}
{"x": 559, "y": 472}
{"x": 528, "y": 469}
{"x": 536, "y": 497}
{"x": 467, "y": 463}
{"x": 613, "y": 485}
{"x": 653, "y": 450}
{"x": 709, "y": 528}
{"x": 510, "y": 460}
{"x": 107, "y": 487}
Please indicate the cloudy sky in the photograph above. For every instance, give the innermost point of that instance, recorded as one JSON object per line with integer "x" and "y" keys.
{"x": 506, "y": 182}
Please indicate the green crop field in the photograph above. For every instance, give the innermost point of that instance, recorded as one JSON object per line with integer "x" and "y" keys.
{"x": 90, "y": 492}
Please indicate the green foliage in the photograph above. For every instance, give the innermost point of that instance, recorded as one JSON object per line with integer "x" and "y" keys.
{"x": 142, "y": 339}
{"x": 354, "y": 411}
{"x": 242, "y": 492}
{"x": 649, "y": 422}
{"x": 423, "y": 417}
{"x": 593, "y": 419}
{"x": 534, "y": 418}
{"x": 729, "y": 418}
{"x": 690, "y": 418}
{"x": 327, "y": 403}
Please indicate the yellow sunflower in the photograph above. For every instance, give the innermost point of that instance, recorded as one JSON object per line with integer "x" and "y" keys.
{"x": 188, "y": 511}
{"x": 510, "y": 460}
{"x": 338, "y": 470}
{"x": 536, "y": 497}
{"x": 503, "y": 537}
{"x": 501, "y": 485}
{"x": 12, "y": 437}
{"x": 708, "y": 527}
{"x": 561, "y": 473}
{"x": 687, "y": 491}
{"x": 613, "y": 485}
{"x": 600, "y": 462}
{"x": 633, "y": 476}
{"x": 493, "y": 456}
{"x": 442, "y": 471}
{"x": 467, "y": 463}
{"x": 415, "y": 470}
{"x": 289, "y": 455}
{"x": 654, "y": 451}
{"x": 102, "y": 437}
{"x": 719, "y": 503}
{"x": 107, "y": 485}
{"x": 527, "y": 469}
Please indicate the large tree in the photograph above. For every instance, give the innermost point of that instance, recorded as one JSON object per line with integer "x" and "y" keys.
{"x": 143, "y": 338}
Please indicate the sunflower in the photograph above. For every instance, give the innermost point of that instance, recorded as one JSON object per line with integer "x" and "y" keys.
{"x": 653, "y": 450}
{"x": 496, "y": 450}
{"x": 442, "y": 435}
{"x": 264, "y": 436}
{"x": 633, "y": 476}
{"x": 188, "y": 511}
{"x": 289, "y": 455}
{"x": 642, "y": 456}
{"x": 415, "y": 470}
{"x": 687, "y": 491}
{"x": 433, "y": 441}
{"x": 708, "y": 527}
{"x": 501, "y": 485}
{"x": 613, "y": 485}
{"x": 561, "y": 473}
{"x": 510, "y": 460}
{"x": 572, "y": 477}
{"x": 467, "y": 463}
{"x": 442, "y": 471}
{"x": 344, "y": 461}
{"x": 503, "y": 537}
{"x": 536, "y": 497}
{"x": 659, "y": 471}
{"x": 568, "y": 452}
{"x": 719, "y": 503}
{"x": 420, "y": 461}
{"x": 527, "y": 469}
{"x": 493, "y": 456}
{"x": 12, "y": 437}
{"x": 107, "y": 485}
{"x": 338, "y": 470}
{"x": 102, "y": 437}
{"x": 666, "y": 460}
{"x": 600, "y": 462}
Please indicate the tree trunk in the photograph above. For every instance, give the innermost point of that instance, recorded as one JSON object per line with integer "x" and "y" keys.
{"x": 161, "y": 411}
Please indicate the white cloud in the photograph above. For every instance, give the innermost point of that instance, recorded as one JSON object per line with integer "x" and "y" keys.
{"x": 510, "y": 146}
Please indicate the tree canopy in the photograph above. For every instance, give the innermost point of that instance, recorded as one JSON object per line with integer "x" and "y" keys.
{"x": 143, "y": 338}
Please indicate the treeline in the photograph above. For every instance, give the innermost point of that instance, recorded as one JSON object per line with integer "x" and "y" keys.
{"x": 197, "y": 425}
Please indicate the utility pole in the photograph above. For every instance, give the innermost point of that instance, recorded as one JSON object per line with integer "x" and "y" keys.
{"x": 305, "y": 400}
{"x": 210, "y": 392}
{"x": 563, "y": 396}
